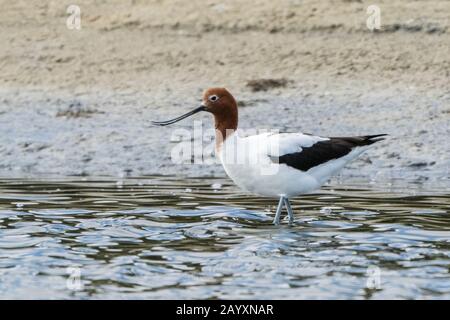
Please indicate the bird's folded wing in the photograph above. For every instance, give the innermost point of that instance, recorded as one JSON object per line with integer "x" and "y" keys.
{"x": 304, "y": 152}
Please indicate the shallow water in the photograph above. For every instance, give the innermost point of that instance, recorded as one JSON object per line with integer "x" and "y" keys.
{"x": 161, "y": 237}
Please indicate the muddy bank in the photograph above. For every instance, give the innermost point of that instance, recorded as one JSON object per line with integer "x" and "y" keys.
{"x": 80, "y": 102}
{"x": 99, "y": 135}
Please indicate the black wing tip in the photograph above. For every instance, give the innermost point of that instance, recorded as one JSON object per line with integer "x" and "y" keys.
{"x": 359, "y": 141}
{"x": 375, "y": 138}
{"x": 377, "y": 135}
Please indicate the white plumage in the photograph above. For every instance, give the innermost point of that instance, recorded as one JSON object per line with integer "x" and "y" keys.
{"x": 249, "y": 162}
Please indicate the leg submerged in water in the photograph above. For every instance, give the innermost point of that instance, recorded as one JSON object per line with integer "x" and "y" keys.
{"x": 289, "y": 210}
{"x": 276, "y": 221}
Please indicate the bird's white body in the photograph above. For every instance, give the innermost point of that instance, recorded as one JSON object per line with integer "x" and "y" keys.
{"x": 248, "y": 161}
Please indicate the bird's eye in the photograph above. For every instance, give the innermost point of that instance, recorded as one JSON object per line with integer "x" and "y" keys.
{"x": 213, "y": 98}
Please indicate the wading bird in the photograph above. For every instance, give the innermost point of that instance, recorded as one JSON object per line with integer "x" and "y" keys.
{"x": 275, "y": 164}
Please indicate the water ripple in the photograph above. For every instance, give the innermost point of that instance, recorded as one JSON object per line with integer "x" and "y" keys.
{"x": 162, "y": 237}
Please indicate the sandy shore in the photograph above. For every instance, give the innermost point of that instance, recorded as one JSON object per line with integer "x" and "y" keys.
{"x": 79, "y": 102}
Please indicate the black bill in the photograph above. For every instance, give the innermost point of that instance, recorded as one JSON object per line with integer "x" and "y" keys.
{"x": 190, "y": 113}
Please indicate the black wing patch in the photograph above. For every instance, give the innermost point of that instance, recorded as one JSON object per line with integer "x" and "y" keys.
{"x": 324, "y": 151}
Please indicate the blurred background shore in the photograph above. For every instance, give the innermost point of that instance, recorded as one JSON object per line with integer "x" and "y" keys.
{"x": 79, "y": 102}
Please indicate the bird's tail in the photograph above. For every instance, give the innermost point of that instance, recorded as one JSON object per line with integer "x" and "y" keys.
{"x": 361, "y": 141}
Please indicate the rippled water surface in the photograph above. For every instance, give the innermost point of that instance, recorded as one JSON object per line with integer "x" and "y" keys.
{"x": 162, "y": 237}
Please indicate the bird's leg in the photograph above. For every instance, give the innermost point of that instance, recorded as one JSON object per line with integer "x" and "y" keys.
{"x": 289, "y": 210}
{"x": 276, "y": 221}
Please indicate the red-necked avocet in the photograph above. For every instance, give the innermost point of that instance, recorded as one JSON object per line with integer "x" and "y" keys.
{"x": 275, "y": 164}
